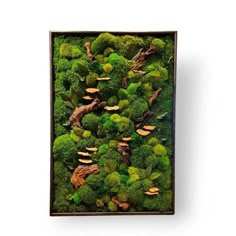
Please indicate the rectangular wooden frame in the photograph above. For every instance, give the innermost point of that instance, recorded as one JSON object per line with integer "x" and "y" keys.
{"x": 52, "y": 34}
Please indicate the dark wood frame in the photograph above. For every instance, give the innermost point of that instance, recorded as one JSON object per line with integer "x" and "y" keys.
{"x": 52, "y": 34}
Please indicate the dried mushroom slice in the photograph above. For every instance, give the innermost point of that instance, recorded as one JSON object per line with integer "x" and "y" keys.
{"x": 92, "y": 90}
{"x": 113, "y": 108}
{"x": 103, "y": 79}
{"x": 150, "y": 193}
{"x": 142, "y": 132}
{"x": 85, "y": 154}
{"x": 149, "y": 127}
{"x": 85, "y": 161}
{"x": 123, "y": 144}
{"x": 126, "y": 139}
{"x": 153, "y": 189}
{"x": 87, "y": 97}
{"x": 91, "y": 149}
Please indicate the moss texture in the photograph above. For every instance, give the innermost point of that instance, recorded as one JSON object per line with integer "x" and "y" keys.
{"x": 149, "y": 159}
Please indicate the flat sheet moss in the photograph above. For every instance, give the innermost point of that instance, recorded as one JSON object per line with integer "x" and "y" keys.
{"x": 135, "y": 91}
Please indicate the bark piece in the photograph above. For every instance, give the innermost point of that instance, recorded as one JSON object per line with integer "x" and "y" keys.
{"x": 78, "y": 177}
{"x": 79, "y": 112}
{"x": 123, "y": 205}
{"x": 140, "y": 61}
{"x": 139, "y": 121}
{"x": 125, "y": 152}
{"x": 87, "y": 45}
{"x": 154, "y": 96}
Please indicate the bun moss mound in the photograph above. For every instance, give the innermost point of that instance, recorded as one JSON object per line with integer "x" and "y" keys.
{"x": 113, "y": 112}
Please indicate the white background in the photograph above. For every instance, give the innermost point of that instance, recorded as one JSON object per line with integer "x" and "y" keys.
{"x": 205, "y": 122}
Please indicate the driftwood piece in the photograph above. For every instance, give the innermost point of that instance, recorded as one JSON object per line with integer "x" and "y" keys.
{"x": 125, "y": 152}
{"x": 139, "y": 121}
{"x": 123, "y": 205}
{"x": 140, "y": 61}
{"x": 88, "y": 49}
{"x": 79, "y": 112}
{"x": 124, "y": 82}
{"x": 154, "y": 96}
{"x": 78, "y": 177}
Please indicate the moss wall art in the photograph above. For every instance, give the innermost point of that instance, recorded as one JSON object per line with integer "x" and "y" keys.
{"x": 112, "y": 123}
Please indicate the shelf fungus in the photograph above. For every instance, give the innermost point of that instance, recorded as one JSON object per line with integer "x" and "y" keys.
{"x": 85, "y": 154}
{"x": 123, "y": 144}
{"x": 91, "y": 149}
{"x": 103, "y": 79}
{"x": 126, "y": 139}
{"x": 123, "y": 205}
{"x": 149, "y": 127}
{"x": 87, "y": 97}
{"x": 151, "y": 194}
{"x": 92, "y": 90}
{"x": 85, "y": 161}
{"x": 113, "y": 108}
{"x": 152, "y": 191}
{"x": 79, "y": 174}
{"x": 142, "y": 132}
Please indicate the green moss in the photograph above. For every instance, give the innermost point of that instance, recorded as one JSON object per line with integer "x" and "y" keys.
{"x": 112, "y": 206}
{"x": 150, "y": 157}
{"x": 87, "y": 194}
{"x": 107, "y": 68}
{"x": 69, "y": 51}
{"x": 159, "y": 149}
{"x": 64, "y": 148}
{"x": 86, "y": 134}
{"x": 123, "y": 104}
{"x": 112, "y": 101}
{"x": 91, "y": 79}
{"x": 159, "y": 44}
{"x": 90, "y": 121}
{"x": 112, "y": 180}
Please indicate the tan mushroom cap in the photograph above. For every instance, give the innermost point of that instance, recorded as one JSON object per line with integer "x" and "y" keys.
{"x": 85, "y": 161}
{"x": 87, "y": 97}
{"x": 126, "y": 139}
{"x": 142, "y": 132}
{"x": 85, "y": 154}
{"x": 91, "y": 149}
{"x": 103, "y": 79}
{"x": 92, "y": 90}
{"x": 149, "y": 127}
{"x": 153, "y": 189}
{"x": 113, "y": 108}
{"x": 123, "y": 144}
{"x": 150, "y": 193}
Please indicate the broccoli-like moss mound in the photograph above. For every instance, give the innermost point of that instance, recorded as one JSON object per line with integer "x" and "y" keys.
{"x": 112, "y": 122}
